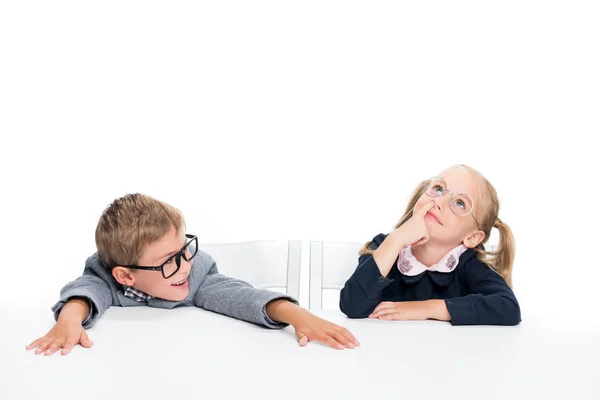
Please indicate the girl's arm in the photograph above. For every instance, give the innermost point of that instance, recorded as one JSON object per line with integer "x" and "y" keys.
{"x": 387, "y": 253}
{"x": 490, "y": 302}
{"x": 362, "y": 291}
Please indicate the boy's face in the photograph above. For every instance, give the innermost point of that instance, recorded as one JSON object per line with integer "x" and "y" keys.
{"x": 152, "y": 282}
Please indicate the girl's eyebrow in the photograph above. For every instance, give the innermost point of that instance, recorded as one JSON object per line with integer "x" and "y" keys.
{"x": 451, "y": 188}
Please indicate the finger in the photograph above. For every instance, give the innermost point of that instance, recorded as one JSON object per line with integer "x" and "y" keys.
{"x": 394, "y": 316}
{"x": 69, "y": 344}
{"x": 382, "y": 312}
{"x": 424, "y": 208}
{"x": 53, "y": 348}
{"x": 383, "y": 304}
{"x": 329, "y": 341}
{"x": 34, "y": 344}
{"x": 378, "y": 313}
{"x": 349, "y": 335}
{"x": 302, "y": 338}
{"x": 66, "y": 350}
{"x": 421, "y": 241}
{"x": 303, "y": 341}
{"x": 343, "y": 340}
{"x": 85, "y": 340}
{"x": 382, "y": 307}
{"x": 43, "y": 346}
{"x": 425, "y": 238}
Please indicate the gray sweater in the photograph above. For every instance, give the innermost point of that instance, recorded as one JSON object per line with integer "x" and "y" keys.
{"x": 208, "y": 289}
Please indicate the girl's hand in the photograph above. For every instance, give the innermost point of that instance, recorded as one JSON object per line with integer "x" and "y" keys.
{"x": 415, "y": 231}
{"x": 411, "y": 310}
{"x": 400, "y": 311}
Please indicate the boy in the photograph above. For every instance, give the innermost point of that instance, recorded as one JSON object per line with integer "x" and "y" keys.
{"x": 144, "y": 257}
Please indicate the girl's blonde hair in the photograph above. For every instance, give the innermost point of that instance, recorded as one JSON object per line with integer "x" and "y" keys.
{"x": 488, "y": 208}
{"x": 129, "y": 224}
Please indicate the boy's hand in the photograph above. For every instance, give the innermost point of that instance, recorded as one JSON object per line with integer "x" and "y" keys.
{"x": 310, "y": 327}
{"x": 65, "y": 335}
{"x": 68, "y": 330}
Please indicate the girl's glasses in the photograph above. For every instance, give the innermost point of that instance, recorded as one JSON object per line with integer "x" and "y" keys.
{"x": 461, "y": 204}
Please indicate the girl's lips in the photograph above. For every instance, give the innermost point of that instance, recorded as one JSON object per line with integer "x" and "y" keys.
{"x": 432, "y": 215}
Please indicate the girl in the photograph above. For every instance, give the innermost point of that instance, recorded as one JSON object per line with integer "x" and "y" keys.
{"x": 433, "y": 265}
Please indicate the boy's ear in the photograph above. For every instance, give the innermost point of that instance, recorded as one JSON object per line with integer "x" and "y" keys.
{"x": 123, "y": 276}
{"x": 474, "y": 239}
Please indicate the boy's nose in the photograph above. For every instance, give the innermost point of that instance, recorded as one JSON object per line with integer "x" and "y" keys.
{"x": 186, "y": 265}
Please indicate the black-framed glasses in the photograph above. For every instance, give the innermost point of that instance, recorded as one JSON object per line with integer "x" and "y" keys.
{"x": 173, "y": 263}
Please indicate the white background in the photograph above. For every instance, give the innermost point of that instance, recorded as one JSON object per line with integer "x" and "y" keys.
{"x": 306, "y": 120}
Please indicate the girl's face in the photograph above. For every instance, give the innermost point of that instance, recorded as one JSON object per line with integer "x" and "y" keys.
{"x": 446, "y": 227}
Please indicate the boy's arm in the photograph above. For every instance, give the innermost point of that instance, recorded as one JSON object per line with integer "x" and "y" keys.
{"x": 237, "y": 299}
{"x": 76, "y": 309}
{"x": 90, "y": 287}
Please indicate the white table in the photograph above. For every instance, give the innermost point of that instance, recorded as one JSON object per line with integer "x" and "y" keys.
{"x": 143, "y": 353}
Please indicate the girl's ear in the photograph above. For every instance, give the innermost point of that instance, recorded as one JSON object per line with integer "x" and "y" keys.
{"x": 123, "y": 276}
{"x": 474, "y": 239}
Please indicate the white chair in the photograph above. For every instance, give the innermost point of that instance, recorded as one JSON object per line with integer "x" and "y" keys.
{"x": 331, "y": 264}
{"x": 266, "y": 264}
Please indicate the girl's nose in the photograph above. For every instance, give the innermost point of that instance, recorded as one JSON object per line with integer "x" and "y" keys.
{"x": 440, "y": 202}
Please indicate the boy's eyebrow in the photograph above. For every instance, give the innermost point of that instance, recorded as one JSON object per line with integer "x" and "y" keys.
{"x": 168, "y": 255}
{"x": 171, "y": 253}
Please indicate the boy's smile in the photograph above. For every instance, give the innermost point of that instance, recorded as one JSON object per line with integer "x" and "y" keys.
{"x": 182, "y": 285}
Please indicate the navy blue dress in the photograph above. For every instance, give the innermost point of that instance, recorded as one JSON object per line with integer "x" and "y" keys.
{"x": 473, "y": 292}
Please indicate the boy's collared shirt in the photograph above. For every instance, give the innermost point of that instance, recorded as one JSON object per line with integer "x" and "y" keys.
{"x": 135, "y": 294}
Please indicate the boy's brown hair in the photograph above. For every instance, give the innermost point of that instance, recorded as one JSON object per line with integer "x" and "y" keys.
{"x": 129, "y": 224}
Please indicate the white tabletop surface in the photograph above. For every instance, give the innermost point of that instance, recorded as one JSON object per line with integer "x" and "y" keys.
{"x": 144, "y": 353}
